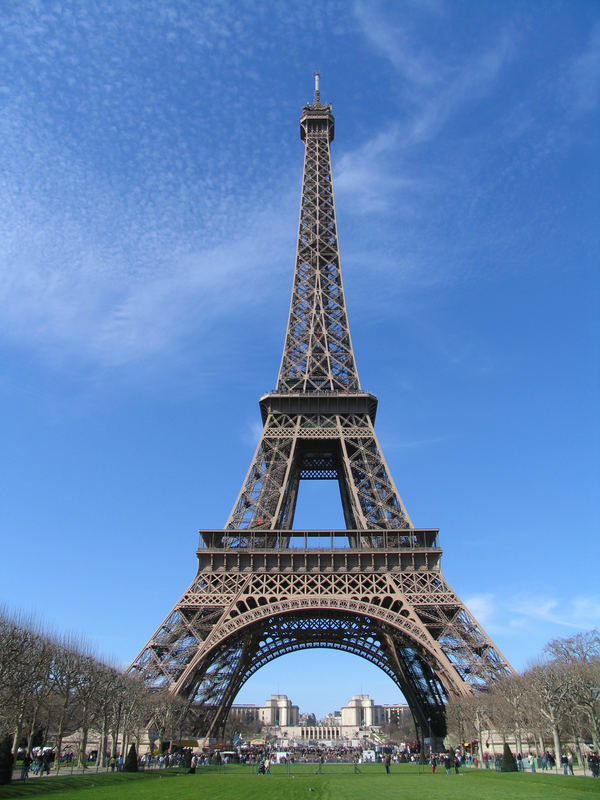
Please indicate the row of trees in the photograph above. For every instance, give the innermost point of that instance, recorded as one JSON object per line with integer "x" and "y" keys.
{"x": 52, "y": 688}
{"x": 553, "y": 704}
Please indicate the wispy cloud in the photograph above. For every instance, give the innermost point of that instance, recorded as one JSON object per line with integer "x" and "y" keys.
{"x": 366, "y": 182}
{"x": 437, "y": 84}
{"x": 579, "y": 612}
{"x": 580, "y": 85}
{"x": 101, "y": 310}
{"x": 135, "y": 204}
{"x": 483, "y": 607}
{"x": 419, "y": 68}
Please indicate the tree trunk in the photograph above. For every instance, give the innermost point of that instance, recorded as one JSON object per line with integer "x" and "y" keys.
{"x": 102, "y": 743}
{"x": 17, "y": 733}
{"x": 479, "y": 735}
{"x": 32, "y": 728}
{"x": 83, "y": 747}
{"x": 557, "y": 747}
{"x": 124, "y": 735}
{"x": 595, "y": 729}
{"x": 518, "y": 741}
{"x": 580, "y": 756}
{"x": 59, "y": 738}
{"x": 15, "y": 741}
{"x": 84, "y": 735}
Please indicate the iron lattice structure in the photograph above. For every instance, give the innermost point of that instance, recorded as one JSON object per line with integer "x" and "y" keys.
{"x": 375, "y": 588}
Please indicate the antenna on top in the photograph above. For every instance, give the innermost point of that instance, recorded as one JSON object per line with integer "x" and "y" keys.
{"x": 317, "y": 92}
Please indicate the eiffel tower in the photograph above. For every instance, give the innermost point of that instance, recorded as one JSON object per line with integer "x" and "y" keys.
{"x": 374, "y": 589}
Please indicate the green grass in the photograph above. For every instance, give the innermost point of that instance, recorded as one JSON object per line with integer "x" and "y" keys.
{"x": 336, "y": 782}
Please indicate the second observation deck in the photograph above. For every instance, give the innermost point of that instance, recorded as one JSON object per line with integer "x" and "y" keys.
{"x": 256, "y": 539}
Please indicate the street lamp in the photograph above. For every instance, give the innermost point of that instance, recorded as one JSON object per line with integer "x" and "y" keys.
{"x": 429, "y": 723}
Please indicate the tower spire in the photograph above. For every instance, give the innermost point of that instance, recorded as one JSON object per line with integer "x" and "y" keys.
{"x": 317, "y": 354}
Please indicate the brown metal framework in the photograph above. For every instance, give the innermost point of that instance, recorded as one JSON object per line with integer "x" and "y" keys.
{"x": 374, "y": 589}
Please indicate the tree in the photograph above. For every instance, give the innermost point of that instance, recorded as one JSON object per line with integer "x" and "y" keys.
{"x": 131, "y": 762}
{"x": 581, "y": 648}
{"x": 107, "y": 688}
{"x": 247, "y": 728}
{"x": 39, "y": 685}
{"x": 514, "y": 693}
{"x": 66, "y": 675}
{"x": 6, "y": 760}
{"x": 401, "y": 726}
{"x": 586, "y": 694}
{"x": 135, "y": 710}
{"x": 16, "y": 642}
{"x": 167, "y": 712}
{"x": 465, "y": 720}
{"x": 581, "y": 655}
{"x": 509, "y": 763}
{"x": 90, "y": 684}
{"x": 551, "y": 686}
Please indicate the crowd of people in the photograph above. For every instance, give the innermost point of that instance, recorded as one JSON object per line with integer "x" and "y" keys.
{"x": 41, "y": 760}
{"x": 449, "y": 761}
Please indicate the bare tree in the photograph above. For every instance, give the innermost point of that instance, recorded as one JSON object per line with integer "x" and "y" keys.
{"x": 515, "y": 694}
{"x": 15, "y": 645}
{"x": 581, "y": 655}
{"x": 551, "y": 685}
{"x": 466, "y": 719}
{"x": 58, "y": 685}
{"x": 66, "y": 675}
{"x": 92, "y": 678}
{"x": 167, "y": 713}
{"x": 108, "y": 687}
{"x": 134, "y": 711}
{"x": 39, "y": 685}
{"x": 581, "y": 648}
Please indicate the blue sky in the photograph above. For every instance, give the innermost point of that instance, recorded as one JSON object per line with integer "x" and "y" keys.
{"x": 149, "y": 187}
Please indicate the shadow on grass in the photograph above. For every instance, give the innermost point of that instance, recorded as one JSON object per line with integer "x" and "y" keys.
{"x": 51, "y": 784}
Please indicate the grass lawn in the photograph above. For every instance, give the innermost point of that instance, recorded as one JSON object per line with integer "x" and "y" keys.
{"x": 336, "y": 782}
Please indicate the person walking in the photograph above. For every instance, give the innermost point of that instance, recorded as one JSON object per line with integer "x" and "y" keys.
{"x": 26, "y": 765}
{"x": 387, "y": 760}
{"x": 433, "y": 763}
{"x": 46, "y": 758}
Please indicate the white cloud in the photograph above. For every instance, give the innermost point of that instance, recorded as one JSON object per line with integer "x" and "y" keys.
{"x": 370, "y": 180}
{"x": 581, "y": 612}
{"x": 438, "y": 84}
{"x": 394, "y": 42}
{"x": 580, "y": 86}
{"x": 86, "y": 301}
{"x": 483, "y": 607}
